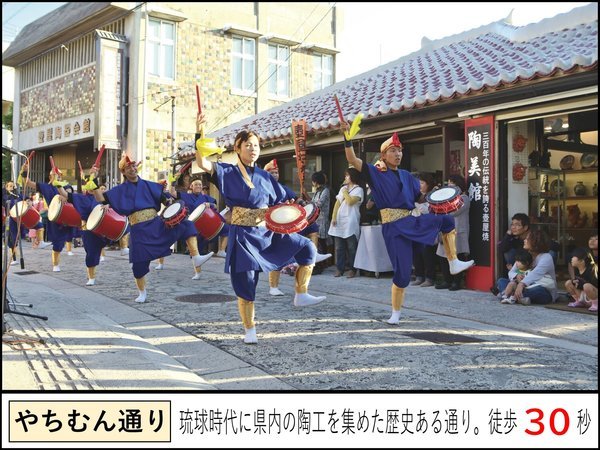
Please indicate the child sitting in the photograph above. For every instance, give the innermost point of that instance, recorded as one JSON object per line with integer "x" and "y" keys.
{"x": 583, "y": 287}
{"x": 523, "y": 260}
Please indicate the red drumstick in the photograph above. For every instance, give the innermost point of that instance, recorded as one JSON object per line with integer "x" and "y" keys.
{"x": 52, "y": 163}
{"x": 186, "y": 167}
{"x": 99, "y": 157}
{"x": 80, "y": 170}
{"x": 198, "y": 98}
{"x": 30, "y": 156}
{"x": 339, "y": 108}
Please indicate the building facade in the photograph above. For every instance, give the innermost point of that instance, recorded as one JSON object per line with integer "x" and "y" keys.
{"x": 124, "y": 75}
{"x": 514, "y": 110}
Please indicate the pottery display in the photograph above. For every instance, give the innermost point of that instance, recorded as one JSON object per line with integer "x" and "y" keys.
{"x": 580, "y": 189}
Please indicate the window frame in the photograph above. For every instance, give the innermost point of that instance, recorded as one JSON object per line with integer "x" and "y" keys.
{"x": 321, "y": 71}
{"x": 160, "y": 42}
{"x": 241, "y": 90}
{"x": 278, "y": 63}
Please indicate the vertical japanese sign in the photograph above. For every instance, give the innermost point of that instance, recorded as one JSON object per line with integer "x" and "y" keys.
{"x": 479, "y": 143}
{"x": 299, "y": 133}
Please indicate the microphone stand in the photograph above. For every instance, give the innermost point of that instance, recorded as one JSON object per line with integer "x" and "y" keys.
{"x": 6, "y": 306}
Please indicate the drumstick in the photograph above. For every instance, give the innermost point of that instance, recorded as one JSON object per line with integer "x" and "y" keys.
{"x": 99, "y": 157}
{"x": 52, "y": 163}
{"x": 30, "y": 156}
{"x": 198, "y": 98}
{"x": 339, "y": 108}
{"x": 186, "y": 167}
{"x": 80, "y": 170}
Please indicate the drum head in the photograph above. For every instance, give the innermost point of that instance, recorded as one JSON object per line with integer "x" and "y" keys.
{"x": 21, "y": 207}
{"x": 443, "y": 194}
{"x": 54, "y": 208}
{"x": 95, "y": 217}
{"x": 172, "y": 210}
{"x": 286, "y": 214}
{"x": 310, "y": 209}
{"x": 197, "y": 212}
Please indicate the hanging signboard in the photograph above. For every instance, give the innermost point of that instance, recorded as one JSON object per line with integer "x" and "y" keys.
{"x": 479, "y": 152}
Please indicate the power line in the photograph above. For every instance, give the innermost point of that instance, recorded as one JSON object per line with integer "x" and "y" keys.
{"x": 219, "y": 121}
{"x": 18, "y": 11}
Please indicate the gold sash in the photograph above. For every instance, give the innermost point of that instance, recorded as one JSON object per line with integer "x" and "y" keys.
{"x": 248, "y": 217}
{"x": 393, "y": 214}
{"x": 142, "y": 216}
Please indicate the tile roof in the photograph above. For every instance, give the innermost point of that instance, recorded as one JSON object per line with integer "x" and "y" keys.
{"x": 492, "y": 56}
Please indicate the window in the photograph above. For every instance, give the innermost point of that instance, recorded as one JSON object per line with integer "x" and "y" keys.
{"x": 243, "y": 60}
{"x": 161, "y": 48}
{"x": 323, "y": 71}
{"x": 279, "y": 70}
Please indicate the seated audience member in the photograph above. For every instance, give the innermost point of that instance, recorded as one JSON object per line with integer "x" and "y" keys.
{"x": 523, "y": 262}
{"x": 513, "y": 239}
{"x": 583, "y": 286}
{"x": 535, "y": 287}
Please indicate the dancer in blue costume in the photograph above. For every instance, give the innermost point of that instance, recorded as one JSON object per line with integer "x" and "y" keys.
{"x": 57, "y": 234}
{"x": 248, "y": 191}
{"x": 311, "y": 231}
{"x": 93, "y": 244}
{"x": 192, "y": 201}
{"x": 395, "y": 192}
{"x": 150, "y": 238}
{"x": 9, "y": 195}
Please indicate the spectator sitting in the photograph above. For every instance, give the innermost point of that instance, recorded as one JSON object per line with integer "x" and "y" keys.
{"x": 523, "y": 262}
{"x": 583, "y": 286}
{"x": 536, "y": 287}
{"x": 513, "y": 239}
{"x": 593, "y": 248}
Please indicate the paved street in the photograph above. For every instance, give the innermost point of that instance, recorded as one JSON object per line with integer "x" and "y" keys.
{"x": 98, "y": 338}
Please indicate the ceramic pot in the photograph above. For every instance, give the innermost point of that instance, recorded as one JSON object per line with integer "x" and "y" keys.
{"x": 580, "y": 188}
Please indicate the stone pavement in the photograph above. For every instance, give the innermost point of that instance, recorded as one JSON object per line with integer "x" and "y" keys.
{"x": 98, "y": 338}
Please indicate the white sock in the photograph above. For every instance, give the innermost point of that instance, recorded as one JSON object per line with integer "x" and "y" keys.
{"x": 142, "y": 297}
{"x": 394, "y": 318}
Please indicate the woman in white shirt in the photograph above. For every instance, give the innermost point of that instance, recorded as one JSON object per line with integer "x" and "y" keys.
{"x": 345, "y": 222}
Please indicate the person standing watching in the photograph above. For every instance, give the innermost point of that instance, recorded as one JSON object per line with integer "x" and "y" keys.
{"x": 345, "y": 222}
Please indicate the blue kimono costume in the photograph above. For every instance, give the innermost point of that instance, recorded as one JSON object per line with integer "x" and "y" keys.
{"x": 92, "y": 243}
{"x": 57, "y": 234}
{"x": 252, "y": 249}
{"x": 399, "y": 189}
{"x": 192, "y": 201}
{"x": 150, "y": 239}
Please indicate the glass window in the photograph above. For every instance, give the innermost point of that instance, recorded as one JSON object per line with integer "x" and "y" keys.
{"x": 323, "y": 71}
{"x": 279, "y": 56}
{"x": 243, "y": 57}
{"x": 161, "y": 48}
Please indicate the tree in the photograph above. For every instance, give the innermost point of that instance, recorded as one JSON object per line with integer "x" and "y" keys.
{"x": 7, "y": 123}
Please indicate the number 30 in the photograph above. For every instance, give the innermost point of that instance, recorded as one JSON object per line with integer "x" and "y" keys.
{"x": 538, "y": 421}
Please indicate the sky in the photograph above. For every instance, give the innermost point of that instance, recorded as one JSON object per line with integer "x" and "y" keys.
{"x": 373, "y": 33}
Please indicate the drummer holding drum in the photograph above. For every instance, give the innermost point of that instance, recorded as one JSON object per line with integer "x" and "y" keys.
{"x": 93, "y": 243}
{"x": 58, "y": 234}
{"x": 196, "y": 199}
{"x": 150, "y": 238}
{"x": 395, "y": 191}
{"x": 311, "y": 231}
{"x": 252, "y": 248}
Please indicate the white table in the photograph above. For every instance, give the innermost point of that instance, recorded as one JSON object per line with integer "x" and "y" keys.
{"x": 371, "y": 253}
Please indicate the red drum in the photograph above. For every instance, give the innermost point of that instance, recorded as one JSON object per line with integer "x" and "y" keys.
{"x": 29, "y": 215}
{"x": 312, "y": 213}
{"x": 107, "y": 223}
{"x": 174, "y": 214}
{"x": 444, "y": 200}
{"x": 286, "y": 218}
{"x": 208, "y": 222}
{"x": 63, "y": 213}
